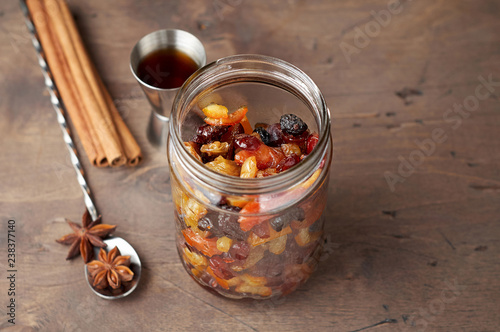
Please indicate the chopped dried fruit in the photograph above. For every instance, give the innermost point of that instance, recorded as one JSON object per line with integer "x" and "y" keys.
{"x": 220, "y": 268}
{"x": 218, "y": 280}
{"x": 215, "y": 111}
{"x": 224, "y": 243}
{"x": 265, "y": 137}
{"x": 254, "y": 256}
{"x": 249, "y": 168}
{"x": 247, "y": 142}
{"x": 266, "y": 156}
{"x": 207, "y": 133}
{"x": 288, "y": 163}
{"x": 215, "y": 148}
{"x": 256, "y": 241}
{"x": 198, "y": 261}
{"x": 230, "y": 136}
{"x": 208, "y": 247}
{"x": 262, "y": 230}
{"x": 246, "y": 125}
{"x": 296, "y": 213}
{"x": 224, "y": 166}
{"x": 300, "y": 140}
{"x": 238, "y": 201}
{"x": 291, "y": 148}
{"x": 232, "y": 119}
{"x": 304, "y": 237}
{"x": 277, "y": 245}
{"x": 247, "y": 222}
{"x": 292, "y": 124}
{"x": 267, "y": 172}
{"x": 312, "y": 140}
{"x": 226, "y": 238}
{"x": 275, "y": 135}
{"x": 240, "y": 251}
{"x": 223, "y": 224}
{"x": 193, "y": 211}
{"x": 309, "y": 182}
{"x": 191, "y": 147}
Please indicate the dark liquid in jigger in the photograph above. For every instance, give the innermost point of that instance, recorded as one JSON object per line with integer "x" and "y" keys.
{"x": 166, "y": 68}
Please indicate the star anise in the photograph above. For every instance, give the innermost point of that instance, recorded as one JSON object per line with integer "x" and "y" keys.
{"x": 84, "y": 238}
{"x": 110, "y": 270}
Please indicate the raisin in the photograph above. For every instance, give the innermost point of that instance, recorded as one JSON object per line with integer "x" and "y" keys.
{"x": 205, "y": 224}
{"x": 288, "y": 163}
{"x": 292, "y": 124}
{"x": 229, "y": 137}
{"x": 264, "y": 135}
{"x": 223, "y": 224}
{"x": 275, "y": 135}
{"x": 296, "y": 213}
{"x": 207, "y": 133}
{"x": 247, "y": 142}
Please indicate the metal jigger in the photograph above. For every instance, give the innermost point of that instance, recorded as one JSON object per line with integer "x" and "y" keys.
{"x": 161, "y": 99}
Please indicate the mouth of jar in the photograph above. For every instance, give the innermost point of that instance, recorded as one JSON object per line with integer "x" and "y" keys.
{"x": 263, "y": 70}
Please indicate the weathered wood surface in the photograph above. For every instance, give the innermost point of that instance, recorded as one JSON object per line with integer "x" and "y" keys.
{"x": 425, "y": 256}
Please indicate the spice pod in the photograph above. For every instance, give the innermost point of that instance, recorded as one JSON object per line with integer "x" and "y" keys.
{"x": 126, "y": 288}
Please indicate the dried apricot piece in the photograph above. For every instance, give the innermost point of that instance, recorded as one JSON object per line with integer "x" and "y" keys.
{"x": 207, "y": 247}
{"x": 247, "y": 222}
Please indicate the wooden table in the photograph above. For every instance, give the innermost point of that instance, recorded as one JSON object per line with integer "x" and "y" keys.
{"x": 414, "y": 245}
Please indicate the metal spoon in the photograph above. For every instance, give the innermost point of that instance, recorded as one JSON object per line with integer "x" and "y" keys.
{"x": 124, "y": 247}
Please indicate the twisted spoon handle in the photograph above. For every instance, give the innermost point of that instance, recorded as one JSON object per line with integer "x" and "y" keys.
{"x": 59, "y": 108}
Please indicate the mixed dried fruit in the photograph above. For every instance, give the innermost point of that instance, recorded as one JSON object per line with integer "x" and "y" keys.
{"x": 230, "y": 243}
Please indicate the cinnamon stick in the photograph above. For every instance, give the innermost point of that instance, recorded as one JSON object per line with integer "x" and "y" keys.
{"x": 100, "y": 119}
{"x": 60, "y": 70}
{"x": 130, "y": 146}
{"x": 91, "y": 75}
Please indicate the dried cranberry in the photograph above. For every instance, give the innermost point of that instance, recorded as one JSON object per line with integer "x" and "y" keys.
{"x": 247, "y": 142}
{"x": 292, "y": 124}
{"x": 312, "y": 140}
{"x": 288, "y": 162}
{"x": 300, "y": 140}
{"x": 264, "y": 135}
{"x": 207, "y": 133}
{"x": 240, "y": 250}
{"x": 296, "y": 213}
{"x": 262, "y": 230}
{"x": 275, "y": 135}
{"x": 220, "y": 268}
{"x": 229, "y": 137}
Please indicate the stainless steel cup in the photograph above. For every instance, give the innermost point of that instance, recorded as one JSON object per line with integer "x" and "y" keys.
{"x": 161, "y": 99}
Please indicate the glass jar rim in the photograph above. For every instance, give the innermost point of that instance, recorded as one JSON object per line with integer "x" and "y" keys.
{"x": 248, "y": 68}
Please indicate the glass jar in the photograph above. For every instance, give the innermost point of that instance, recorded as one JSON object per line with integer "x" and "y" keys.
{"x": 235, "y": 258}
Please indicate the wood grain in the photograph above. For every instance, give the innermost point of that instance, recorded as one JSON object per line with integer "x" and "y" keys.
{"x": 396, "y": 257}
